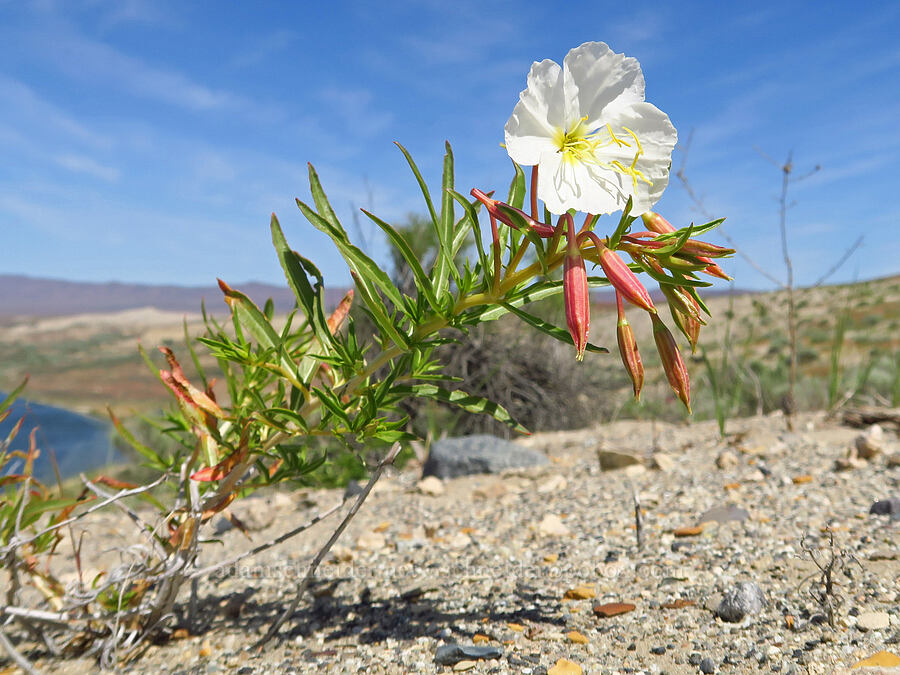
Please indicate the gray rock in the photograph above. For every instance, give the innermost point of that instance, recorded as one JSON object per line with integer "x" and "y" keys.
{"x": 452, "y": 457}
{"x": 745, "y": 599}
{"x": 448, "y": 655}
{"x": 886, "y": 507}
{"x": 707, "y": 666}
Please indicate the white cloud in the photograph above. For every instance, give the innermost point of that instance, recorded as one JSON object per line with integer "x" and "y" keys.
{"x": 86, "y": 165}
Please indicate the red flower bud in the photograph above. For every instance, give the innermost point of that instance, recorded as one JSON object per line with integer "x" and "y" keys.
{"x": 621, "y": 277}
{"x": 506, "y": 214}
{"x": 673, "y": 364}
{"x": 628, "y": 350}
{"x": 656, "y": 223}
{"x": 576, "y": 293}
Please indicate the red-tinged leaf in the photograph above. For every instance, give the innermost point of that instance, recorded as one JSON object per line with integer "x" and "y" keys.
{"x": 221, "y": 506}
{"x": 275, "y": 466}
{"x": 33, "y": 452}
{"x": 12, "y": 478}
{"x": 198, "y": 397}
{"x": 114, "y": 483}
{"x": 220, "y": 470}
{"x": 15, "y": 430}
{"x": 237, "y": 522}
{"x": 340, "y": 313}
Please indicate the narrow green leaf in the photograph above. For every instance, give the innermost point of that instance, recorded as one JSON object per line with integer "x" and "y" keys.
{"x": 697, "y": 229}
{"x": 468, "y": 402}
{"x": 248, "y": 315}
{"x": 624, "y": 223}
{"x": 12, "y": 396}
{"x": 516, "y": 197}
{"x": 322, "y": 204}
{"x": 549, "y": 329}
{"x": 423, "y": 283}
{"x": 533, "y": 293}
{"x": 378, "y": 311}
{"x": 445, "y": 265}
{"x": 358, "y": 261}
{"x": 486, "y": 268}
{"x": 422, "y": 185}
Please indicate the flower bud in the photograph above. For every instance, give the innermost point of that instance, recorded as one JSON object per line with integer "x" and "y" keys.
{"x": 656, "y": 223}
{"x": 715, "y": 271}
{"x": 704, "y": 250}
{"x": 673, "y": 364}
{"x": 509, "y": 215}
{"x": 621, "y": 277}
{"x": 628, "y": 350}
{"x": 576, "y": 293}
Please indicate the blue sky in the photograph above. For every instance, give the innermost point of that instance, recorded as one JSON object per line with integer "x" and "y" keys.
{"x": 149, "y": 141}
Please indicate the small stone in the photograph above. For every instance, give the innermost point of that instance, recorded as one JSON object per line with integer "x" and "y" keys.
{"x": 577, "y": 638}
{"x": 690, "y": 531}
{"x": 727, "y": 460}
{"x": 205, "y": 650}
{"x": 745, "y": 599}
{"x": 886, "y": 507}
{"x": 459, "y": 540}
{"x": 695, "y": 658}
{"x": 707, "y": 666}
{"x": 678, "y": 604}
{"x": 449, "y": 655}
{"x": 371, "y": 541}
{"x": 611, "y": 460}
{"x": 802, "y": 479}
{"x": 553, "y": 484}
{"x": 870, "y": 443}
{"x": 664, "y": 462}
{"x": 565, "y": 667}
{"x": 724, "y": 514}
{"x": 610, "y": 609}
{"x": 584, "y": 592}
{"x": 431, "y": 486}
{"x": 658, "y": 650}
{"x": 552, "y": 526}
{"x": 480, "y": 639}
{"x": 892, "y": 461}
{"x": 464, "y": 665}
{"x": 873, "y": 621}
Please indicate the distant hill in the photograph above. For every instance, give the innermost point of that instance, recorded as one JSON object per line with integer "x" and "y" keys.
{"x": 23, "y": 295}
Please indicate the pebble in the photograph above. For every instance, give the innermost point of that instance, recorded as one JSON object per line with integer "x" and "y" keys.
{"x": 449, "y": 655}
{"x": 727, "y": 460}
{"x": 873, "y": 621}
{"x": 745, "y": 599}
{"x": 552, "y": 525}
{"x": 431, "y": 486}
{"x": 870, "y": 443}
{"x": 724, "y": 514}
{"x": 611, "y": 460}
{"x": 707, "y": 665}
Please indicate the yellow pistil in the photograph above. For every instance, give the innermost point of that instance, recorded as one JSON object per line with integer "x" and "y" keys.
{"x": 582, "y": 145}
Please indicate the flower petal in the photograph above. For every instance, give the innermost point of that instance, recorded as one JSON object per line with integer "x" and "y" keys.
{"x": 564, "y": 185}
{"x": 529, "y": 131}
{"x": 596, "y": 78}
{"x": 657, "y": 137}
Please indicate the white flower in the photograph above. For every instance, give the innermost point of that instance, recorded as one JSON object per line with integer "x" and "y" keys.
{"x": 593, "y": 137}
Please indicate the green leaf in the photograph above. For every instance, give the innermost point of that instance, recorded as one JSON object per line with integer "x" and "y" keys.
{"x": 151, "y": 455}
{"x": 553, "y": 331}
{"x": 423, "y": 283}
{"x": 248, "y": 315}
{"x": 697, "y": 229}
{"x": 624, "y": 223}
{"x": 486, "y": 268}
{"x": 310, "y": 298}
{"x": 468, "y": 402}
{"x": 445, "y": 265}
{"x": 378, "y": 311}
{"x": 533, "y": 293}
{"x": 422, "y": 185}
{"x": 322, "y": 204}
{"x": 358, "y": 261}
{"x": 516, "y": 197}
{"x": 12, "y": 396}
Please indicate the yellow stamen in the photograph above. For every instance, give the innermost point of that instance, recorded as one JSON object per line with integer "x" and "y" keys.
{"x": 581, "y": 145}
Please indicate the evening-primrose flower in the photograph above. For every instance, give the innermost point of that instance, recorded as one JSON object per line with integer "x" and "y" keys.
{"x": 594, "y": 139}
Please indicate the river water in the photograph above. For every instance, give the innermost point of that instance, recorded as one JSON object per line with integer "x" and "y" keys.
{"x": 78, "y": 442}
